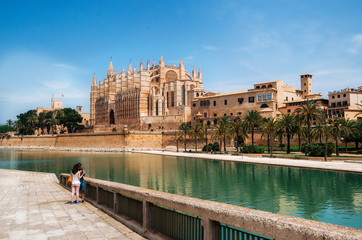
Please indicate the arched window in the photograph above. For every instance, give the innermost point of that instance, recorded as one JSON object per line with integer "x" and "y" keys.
{"x": 264, "y": 96}
{"x": 111, "y": 117}
{"x": 264, "y": 106}
{"x": 269, "y": 96}
{"x": 183, "y": 94}
{"x": 259, "y": 97}
{"x": 156, "y": 108}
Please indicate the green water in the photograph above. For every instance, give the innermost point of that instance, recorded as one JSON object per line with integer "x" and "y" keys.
{"x": 333, "y": 197}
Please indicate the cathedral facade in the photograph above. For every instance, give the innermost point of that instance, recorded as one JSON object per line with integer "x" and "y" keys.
{"x": 158, "y": 95}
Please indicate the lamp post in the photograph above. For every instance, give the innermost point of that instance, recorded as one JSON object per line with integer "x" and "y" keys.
{"x": 345, "y": 149}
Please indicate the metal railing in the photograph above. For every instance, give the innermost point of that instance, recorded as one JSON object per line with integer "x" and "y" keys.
{"x": 158, "y": 215}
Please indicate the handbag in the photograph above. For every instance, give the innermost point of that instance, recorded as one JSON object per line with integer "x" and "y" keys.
{"x": 70, "y": 180}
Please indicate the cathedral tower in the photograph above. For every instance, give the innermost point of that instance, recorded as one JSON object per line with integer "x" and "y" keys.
{"x": 306, "y": 84}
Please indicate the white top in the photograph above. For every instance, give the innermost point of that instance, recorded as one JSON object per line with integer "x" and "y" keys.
{"x": 75, "y": 178}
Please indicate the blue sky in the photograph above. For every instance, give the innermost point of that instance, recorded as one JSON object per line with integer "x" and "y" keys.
{"x": 54, "y": 47}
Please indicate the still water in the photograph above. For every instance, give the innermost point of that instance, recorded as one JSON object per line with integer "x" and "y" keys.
{"x": 333, "y": 197}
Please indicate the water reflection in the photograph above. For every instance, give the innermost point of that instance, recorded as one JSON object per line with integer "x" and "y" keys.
{"x": 333, "y": 197}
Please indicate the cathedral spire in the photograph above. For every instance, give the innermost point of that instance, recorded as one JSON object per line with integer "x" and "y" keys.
{"x": 148, "y": 64}
{"x": 141, "y": 65}
{"x": 130, "y": 67}
{"x": 162, "y": 63}
{"x": 153, "y": 64}
{"x": 194, "y": 72}
{"x": 110, "y": 69}
{"x": 181, "y": 64}
{"x": 94, "y": 83}
{"x": 199, "y": 76}
{"x": 122, "y": 69}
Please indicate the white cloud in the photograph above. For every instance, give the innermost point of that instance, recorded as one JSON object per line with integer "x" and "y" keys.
{"x": 356, "y": 44}
{"x": 209, "y": 47}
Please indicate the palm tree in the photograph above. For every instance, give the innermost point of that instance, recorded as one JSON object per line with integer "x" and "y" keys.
{"x": 349, "y": 130}
{"x": 177, "y": 138}
{"x": 327, "y": 132}
{"x": 317, "y": 132}
{"x": 33, "y": 121}
{"x": 18, "y": 126}
{"x": 206, "y": 127}
{"x": 287, "y": 126}
{"x": 237, "y": 129}
{"x": 184, "y": 128}
{"x": 218, "y": 135}
{"x": 58, "y": 114}
{"x": 339, "y": 129}
{"x": 269, "y": 127}
{"x": 10, "y": 124}
{"x": 308, "y": 112}
{"x": 196, "y": 131}
{"x": 52, "y": 122}
{"x": 223, "y": 129}
{"x": 252, "y": 120}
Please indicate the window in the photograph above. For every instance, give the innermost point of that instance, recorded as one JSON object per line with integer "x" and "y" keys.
{"x": 264, "y": 96}
{"x": 239, "y": 113}
{"x": 339, "y": 104}
{"x": 305, "y": 84}
{"x": 344, "y": 95}
{"x": 344, "y": 103}
{"x": 333, "y": 105}
{"x": 231, "y": 114}
{"x": 240, "y": 100}
{"x": 286, "y": 98}
{"x": 264, "y": 106}
{"x": 214, "y": 103}
{"x": 205, "y": 115}
{"x": 215, "y": 115}
{"x": 225, "y": 102}
{"x": 288, "y": 110}
{"x": 305, "y": 90}
{"x": 208, "y": 103}
{"x": 194, "y": 104}
{"x": 332, "y": 97}
{"x": 269, "y": 96}
{"x": 259, "y": 97}
{"x": 251, "y": 99}
{"x": 224, "y": 114}
{"x": 201, "y": 103}
{"x": 183, "y": 94}
{"x": 339, "y": 96}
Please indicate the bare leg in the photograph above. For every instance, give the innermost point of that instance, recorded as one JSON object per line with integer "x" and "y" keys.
{"x": 73, "y": 192}
{"x": 77, "y": 191}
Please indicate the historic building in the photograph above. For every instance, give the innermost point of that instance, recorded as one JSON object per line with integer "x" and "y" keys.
{"x": 158, "y": 95}
{"x": 266, "y": 97}
{"x": 344, "y": 103}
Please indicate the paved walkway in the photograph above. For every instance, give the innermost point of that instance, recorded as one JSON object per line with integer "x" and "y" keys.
{"x": 34, "y": 206}
{"x": 334, "y": 166}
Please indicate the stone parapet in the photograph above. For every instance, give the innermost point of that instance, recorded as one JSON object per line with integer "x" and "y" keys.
{"x": 136, "y": 207}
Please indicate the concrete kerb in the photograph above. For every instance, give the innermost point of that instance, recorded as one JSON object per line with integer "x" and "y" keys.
{"x": 264, "y": 223}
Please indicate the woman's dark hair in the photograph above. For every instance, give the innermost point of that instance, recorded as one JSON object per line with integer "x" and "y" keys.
{"x": 79, "y": 165}
{"x": 75, "y": 168}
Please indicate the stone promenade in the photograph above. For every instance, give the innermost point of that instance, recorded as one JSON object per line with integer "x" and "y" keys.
{"x": 34, "y": 206}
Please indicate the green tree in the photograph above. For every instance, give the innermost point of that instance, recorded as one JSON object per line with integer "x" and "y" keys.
{"x": 51, "y": 123}
{"x": 287, "y": 125}
{"x": 252, "y": 121}
{"x": 237, "y": 130}
{"x": 9, "y": 122}
{"x": 58, "y": 114}
{"x": 33, "y": 121}
{"x": 339, "y": 129}
{"x": 317, "y": 132}
{"x": 196, "y": 131}
{"x": 184, "y": 129}
{"x": 206, "y": 128}
{"x": 25, "y": 128}
{"x": 223, "y": 129}
{"x": 177, "y": 139}
{"x": 349, "y": 131}
{"x": 357, "y": 138}
{"x": 269, "y": 127}
{"x": 71, "y": 119}
{"x": 309, "y": 111}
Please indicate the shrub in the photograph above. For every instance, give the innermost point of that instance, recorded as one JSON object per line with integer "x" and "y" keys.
{"x": 114, "y": 130}
{"x": 252, "y": 149}
{"x": 208, "y": 148}
{"x": 317, "y": 149}
{"x": 216, "y": 147}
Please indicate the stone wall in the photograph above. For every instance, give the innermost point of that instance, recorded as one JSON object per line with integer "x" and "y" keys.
{"x": 99, "y": 140}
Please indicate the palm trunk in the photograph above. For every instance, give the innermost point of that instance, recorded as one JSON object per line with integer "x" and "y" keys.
{"x": 224, "y": 143}
{"x": 252, "y": 136}
{"x": 337, "y": 152}
{"x": 308, "y": 131}
{"x": 206, "y": 140}
{"x": 177, "y": 145}
{"x": 220, "y": 145}
{"x": 237, "y": 142}
{"x": 325, "y": 149}
{"x": 195, "y": 144}
{"x": 345, "y": 146}
{"x": 271, "y": 149}
{"x": 288, "y": 143}
{"x": 320, "y": 139}
{"x": 185, "y": 141}
{"x": 298, "y": 141}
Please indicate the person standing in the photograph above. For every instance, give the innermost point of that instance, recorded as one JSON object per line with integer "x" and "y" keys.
{"x": 75, "y": 183}
{"x": 82, "y": 184}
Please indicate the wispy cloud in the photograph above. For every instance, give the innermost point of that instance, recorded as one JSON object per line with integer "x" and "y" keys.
{"x": 64, "y": 65}
{"x": 356, "y": 44}
{"x": 209, "y": 47}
